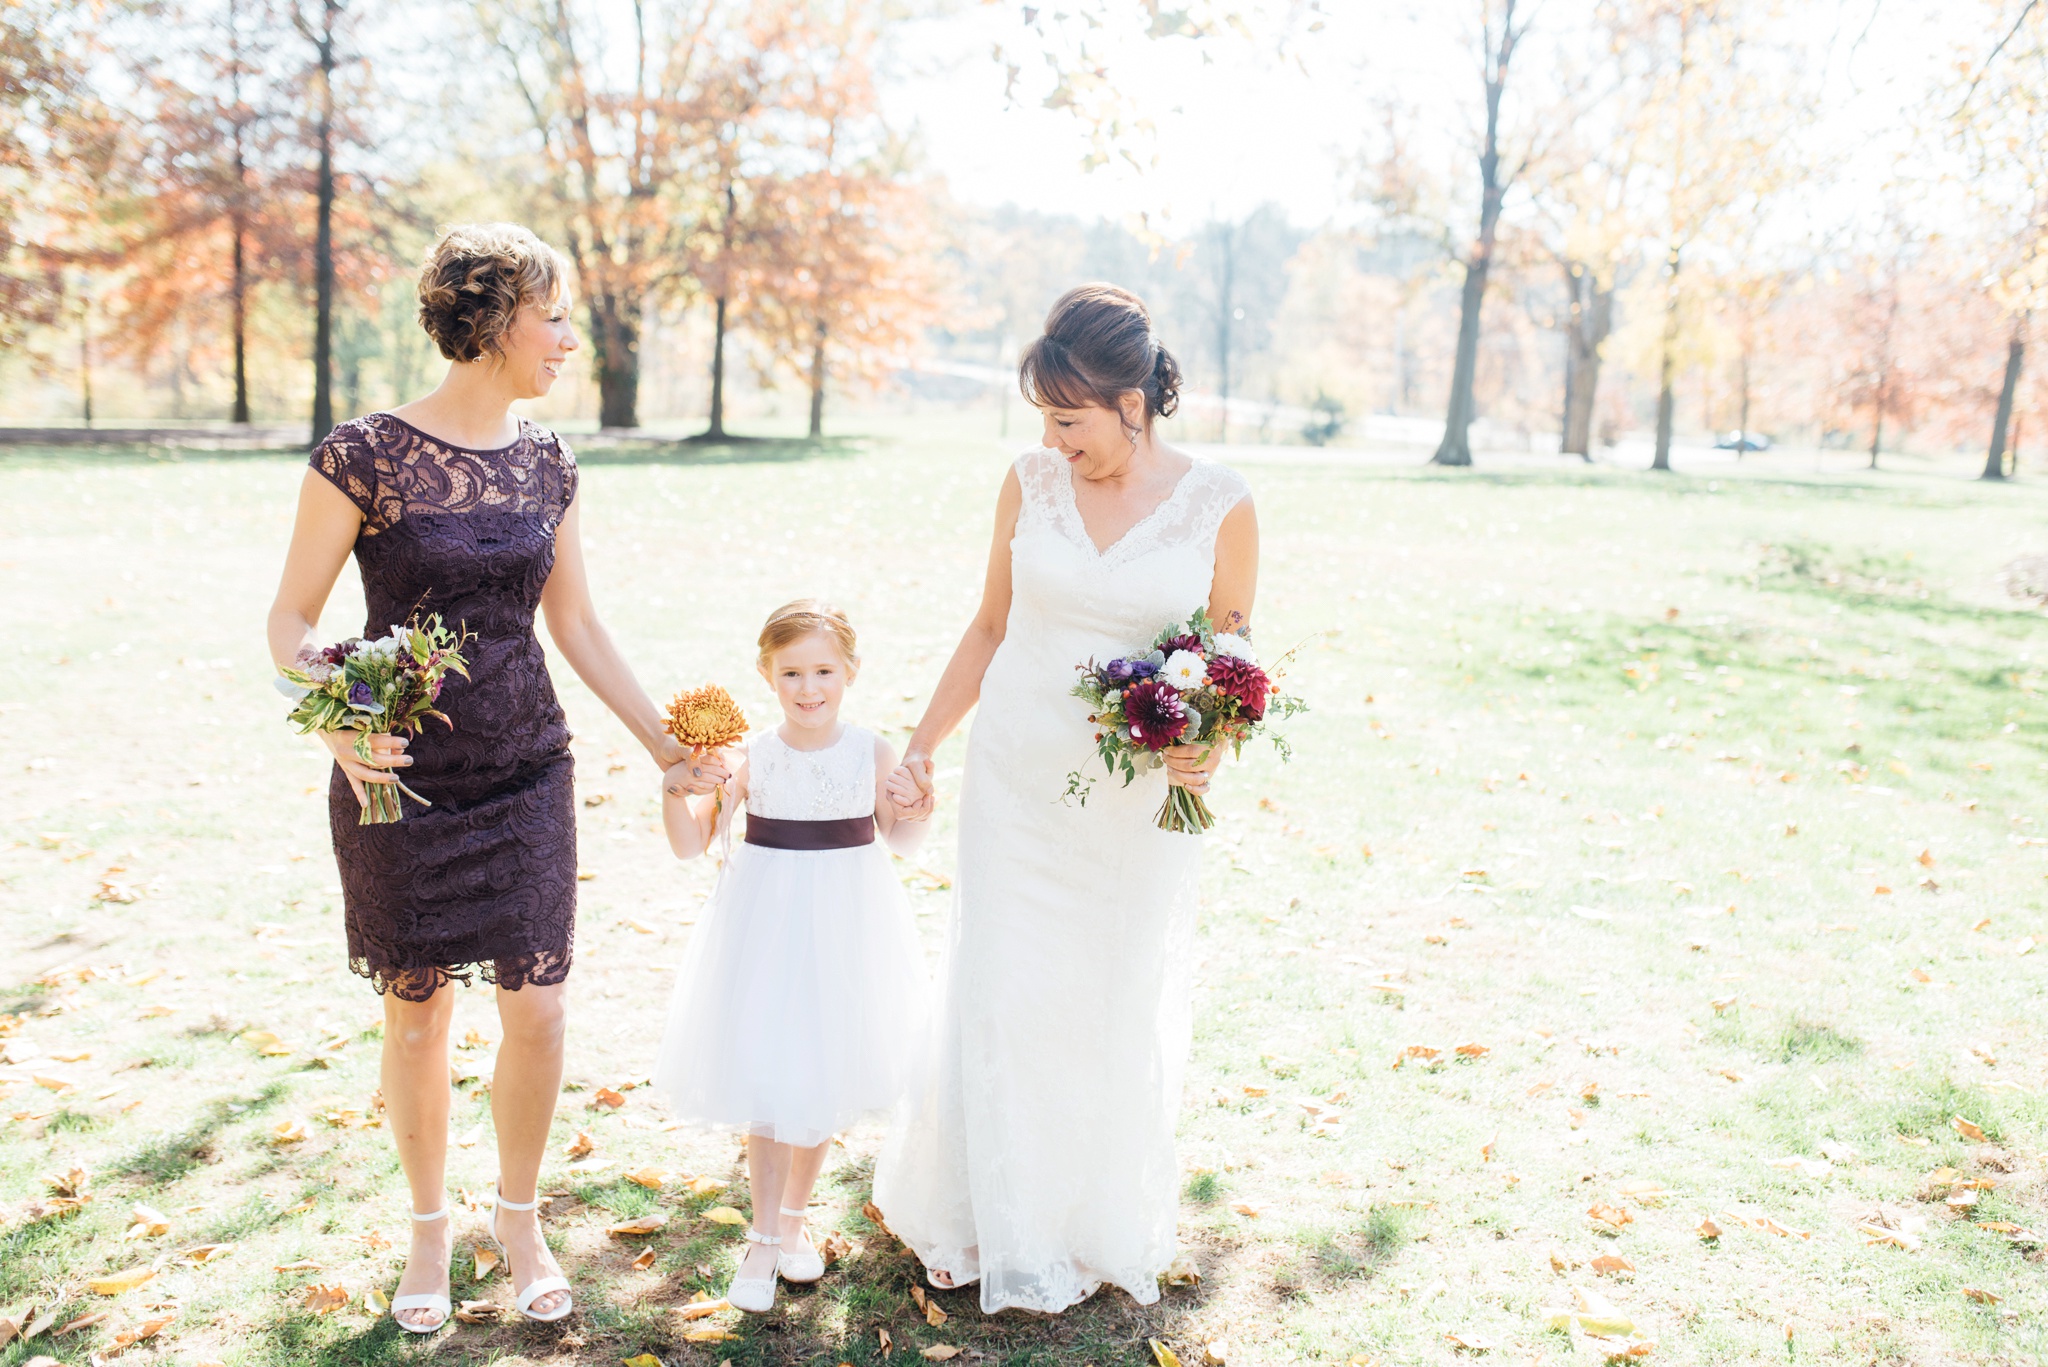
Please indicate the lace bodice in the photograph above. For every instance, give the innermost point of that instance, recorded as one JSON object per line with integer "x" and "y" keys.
{"x": 390, "y": 469}
{"x": 833, "y": 784}
{"x": 1188, "y": 517}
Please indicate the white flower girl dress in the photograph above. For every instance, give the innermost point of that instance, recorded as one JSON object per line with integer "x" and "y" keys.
{"x": 801, "y": 998}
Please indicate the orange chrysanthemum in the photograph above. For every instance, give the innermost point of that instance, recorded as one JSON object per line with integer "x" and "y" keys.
{"x": 706, "y": 718}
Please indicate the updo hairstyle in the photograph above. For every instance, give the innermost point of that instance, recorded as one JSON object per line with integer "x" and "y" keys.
{"x": 1098, "y": 346}
{"x": 792, "y": 622}
{"x": 474, "y": 281}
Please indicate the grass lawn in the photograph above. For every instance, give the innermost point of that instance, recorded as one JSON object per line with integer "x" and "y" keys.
{"x": 1662, "y": 856}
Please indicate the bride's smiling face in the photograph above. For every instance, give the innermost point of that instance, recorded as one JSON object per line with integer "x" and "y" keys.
{"x": 810, "y": 677}
{"x": 1095, "y": 440}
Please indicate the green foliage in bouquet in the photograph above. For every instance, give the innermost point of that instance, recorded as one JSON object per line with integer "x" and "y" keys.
{"x": 376, "y": 688}
{"x": 1195, "y": 686}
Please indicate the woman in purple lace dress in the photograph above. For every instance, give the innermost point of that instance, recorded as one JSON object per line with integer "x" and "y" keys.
{"x": 453, "y": 505}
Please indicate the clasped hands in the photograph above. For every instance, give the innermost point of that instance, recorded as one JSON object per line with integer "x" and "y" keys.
{"x": 690, "y": 773}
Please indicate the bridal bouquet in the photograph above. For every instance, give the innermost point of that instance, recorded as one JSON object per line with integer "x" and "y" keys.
{"x": 1195, "y": 686}
{"x": 375, "y": 688}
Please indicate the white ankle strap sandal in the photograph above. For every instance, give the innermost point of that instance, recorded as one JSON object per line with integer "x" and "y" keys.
{"x": 545, "y": 1285}
{"x": 802, "y": 1267}
{"x": 755, "y": 1295}
{"x": 438, "y": 1303}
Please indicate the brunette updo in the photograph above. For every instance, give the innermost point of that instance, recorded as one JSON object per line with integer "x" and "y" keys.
{"x": 1097, "y": 347}
{"x": 474, "y": 281}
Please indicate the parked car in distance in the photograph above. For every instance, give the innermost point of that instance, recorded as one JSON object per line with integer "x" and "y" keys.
{"x": 1743, "y": 441}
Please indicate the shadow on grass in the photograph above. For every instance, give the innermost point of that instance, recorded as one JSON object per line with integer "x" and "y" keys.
{"x": 168, "y": 1157}
{"x": 591, "y": 449}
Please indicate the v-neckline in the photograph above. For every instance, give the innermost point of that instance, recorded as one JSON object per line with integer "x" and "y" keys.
{"x": 1103, "y": 552}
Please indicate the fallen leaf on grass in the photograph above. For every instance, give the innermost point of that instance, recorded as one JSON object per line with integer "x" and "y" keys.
{"x": 606, "y": 1099}
{"x": 1162, "y": 1355}
{"x": 933, "y": 1315}
{"x": 1876, "y": 1234}
{"x": 1805, "y": 1167}
{"x": 724, "y": 1215}
{"x": 204, "y": 1253}
{"x": 115, "y": 1283}
{"x": 697, "y": 1310}
{"x": 1181, "y": 1272}
{"x": 1706, "y": 1228}
{"x": 704, "y": 1186}
{"x": 1472, "y": 1051}
{"x": 477, "y": 1312}
{"x": 1967, "y": 1129}
{"x": 1249, "y": 1209}
{"x": 586, "y": 1166}
{"x": 641, "y": 1360}
{"x": 940, "y": 1352}
{"x": 835, "y": 1247}
{"x": 287, "y": 1132}
{"x": 645, "y": 1260}
{"x": 323, "y": 1299}
{"x": 128, "y": 1338}
{"x": 1614, "y": 1217}
{"x": 82, "y": 1322}
{"x": 486, "y": 1261}
{"x": 646, "y": 1224}
{"x": 886, "y": 1343}
{"x": 651, "y": 1178}
{"x": 1607, "y": 1263}
{"x": 1644, "y": 1193}
{"x": 268, "y": 1043}
{"x": 1215, "y": 1353}
{"x": 376, "y": 1302}
{"x": 1982, "y": 1297}
{"x": 303, "y": 1265}
{"x": 872, "y": 1213}
{"x": 1470, "y": 1343}
{"x": 582, "y": 1146}
{"x": 147, "y": 1222}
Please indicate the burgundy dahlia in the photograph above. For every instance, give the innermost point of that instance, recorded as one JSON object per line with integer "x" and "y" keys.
{"x": 1242, "y": 680}
{"x": 1173, "y": 643}
{"x": 1156, "y": 715}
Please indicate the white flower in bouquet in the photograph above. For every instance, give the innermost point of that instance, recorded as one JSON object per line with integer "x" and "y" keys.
{"x": 1237, "y": 647}
{"x": 1185, "y": 670}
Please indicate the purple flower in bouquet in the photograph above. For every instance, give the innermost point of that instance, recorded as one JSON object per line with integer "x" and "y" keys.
{"x": 1155, "y": 713}
{"x": 1246, "y": 682}
{"x": 1128, "y": 671}
{"x": 1189, "y": 643}
{"x": 359, "y": 695}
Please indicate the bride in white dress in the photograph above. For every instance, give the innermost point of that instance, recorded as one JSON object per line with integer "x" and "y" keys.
{"x": 1037, "y": 1153}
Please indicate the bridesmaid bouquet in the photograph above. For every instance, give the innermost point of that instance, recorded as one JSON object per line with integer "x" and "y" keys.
{"x": 706, "y": 719}
{"x": 375, "y": 688}
{"x": 1195, "y": 686}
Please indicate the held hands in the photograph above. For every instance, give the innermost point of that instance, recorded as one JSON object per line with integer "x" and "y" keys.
{"x": 909, "y": 788}
{"x": 696, "y": 772}
{"x": 387, "y": 752}
{"x": 1192, "y": 766}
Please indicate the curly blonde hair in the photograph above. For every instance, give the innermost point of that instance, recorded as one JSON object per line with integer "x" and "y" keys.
{"x": 793, "y": 621}
{"x": 476, "y": 277}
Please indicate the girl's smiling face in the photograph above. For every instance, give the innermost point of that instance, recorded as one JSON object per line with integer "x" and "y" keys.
{"x": 810, "y": 679}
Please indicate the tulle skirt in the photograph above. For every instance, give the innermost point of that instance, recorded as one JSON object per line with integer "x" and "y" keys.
{"x": 801, "y": 999}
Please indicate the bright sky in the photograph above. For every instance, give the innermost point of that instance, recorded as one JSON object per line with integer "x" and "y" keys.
{"x": 1246, "y": 127}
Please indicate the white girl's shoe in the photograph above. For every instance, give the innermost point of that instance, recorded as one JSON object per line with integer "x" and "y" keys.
{"x": 440, "y": 1303}
{"x": 755, "y": 1295}
{"x": 524, "y": 1301}
{"x": 803, "y": 1268}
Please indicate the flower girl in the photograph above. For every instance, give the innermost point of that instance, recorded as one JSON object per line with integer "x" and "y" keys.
{"x": 803, "y": 992}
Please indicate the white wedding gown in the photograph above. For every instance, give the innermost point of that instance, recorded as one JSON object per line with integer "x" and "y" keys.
{"x": 1037, "y": 1150}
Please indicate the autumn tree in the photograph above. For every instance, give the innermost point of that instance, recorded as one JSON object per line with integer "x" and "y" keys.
{"x": 1999, "y": 122}
{"x": 847, "y": 278}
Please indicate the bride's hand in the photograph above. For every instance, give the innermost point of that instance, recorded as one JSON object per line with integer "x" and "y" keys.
{"x": 1192, "y": 766}
{"x": 909, "y": 788}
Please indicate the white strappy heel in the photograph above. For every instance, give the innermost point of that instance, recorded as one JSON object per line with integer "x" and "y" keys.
{"x": 755, "y": 1295}
{"x": 440, "y": 1303}
{"x": 802, "y": 1268}
{"x": 524, "y": 1301}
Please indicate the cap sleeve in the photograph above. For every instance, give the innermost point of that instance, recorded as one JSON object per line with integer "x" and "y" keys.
{"x": 347, "y": 459}
{"x": 571, "y": 476}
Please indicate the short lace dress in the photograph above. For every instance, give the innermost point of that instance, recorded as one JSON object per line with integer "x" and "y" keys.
{"x": 484, "y": 880}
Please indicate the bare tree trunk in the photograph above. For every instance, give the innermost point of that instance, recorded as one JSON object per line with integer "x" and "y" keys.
{"x": 1667, "y": 364}
{"x": 238, "y": 293}
{"x": 1742, "y": 436}
{"x": 615, "y": 342}
{"x": 818, "y": 382}
{"x": 716, "y": 430}
{"x": 1456, "y": 447}
{"x": 1591, "y": 320}
{"x": 323, "y": 235}
{"x": 2015, "y": 360}
{"x": 85, "y": 359}
{"x": 239, "y": 290}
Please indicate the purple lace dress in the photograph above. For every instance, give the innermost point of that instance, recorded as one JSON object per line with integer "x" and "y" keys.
{"x": 485, "y": 878}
